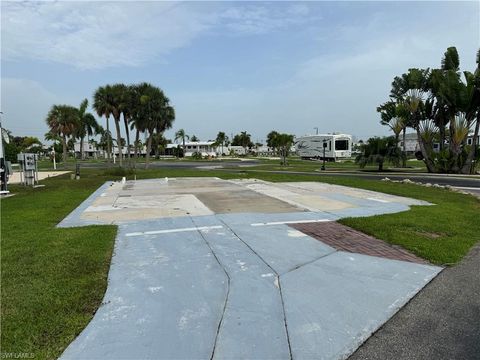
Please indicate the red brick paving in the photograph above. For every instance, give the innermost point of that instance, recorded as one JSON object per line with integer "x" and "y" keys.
{"x": 344, "y": 238}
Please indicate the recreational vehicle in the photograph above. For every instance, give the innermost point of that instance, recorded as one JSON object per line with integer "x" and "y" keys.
{"x": 337, "y": 146}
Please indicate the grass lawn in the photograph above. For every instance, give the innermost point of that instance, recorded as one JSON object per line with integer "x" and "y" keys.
{"x": 53, "y": 280}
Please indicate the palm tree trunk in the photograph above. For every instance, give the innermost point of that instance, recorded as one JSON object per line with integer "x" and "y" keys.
{"x": 426, "y": 157}
{"x": 137, "y": 139}
{"x": 469, "y": 166}
{"x": 127, "y": 134}
{"x": 119, "y": 142}
{"x": 109, "y": 144}
{"x": 404, "y": 157}
{"x": 81, "y": 148}
{"x": 149, "y": 148}
{"x": 64, "y": 145}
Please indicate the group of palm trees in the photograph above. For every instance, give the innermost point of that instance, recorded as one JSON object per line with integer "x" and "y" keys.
{"x": 442, "y": 106}
{"x": 144, "y": 108}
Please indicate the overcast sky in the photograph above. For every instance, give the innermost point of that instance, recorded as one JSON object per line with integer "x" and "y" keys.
{"x": 228, "y": 66}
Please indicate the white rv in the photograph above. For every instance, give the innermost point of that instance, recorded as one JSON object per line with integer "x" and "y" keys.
{"x": 337, "y": 146}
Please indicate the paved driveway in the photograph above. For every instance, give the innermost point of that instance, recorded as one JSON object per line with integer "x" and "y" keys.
{"x": 190, "y": 282}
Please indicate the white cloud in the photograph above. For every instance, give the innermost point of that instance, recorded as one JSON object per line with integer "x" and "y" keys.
{"x": 91, "y": 35}
{"x": 257, "y": 19}
{"x": 96, "y": 35}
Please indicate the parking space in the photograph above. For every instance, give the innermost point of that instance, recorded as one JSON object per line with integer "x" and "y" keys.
{"x": 219, "y": 271}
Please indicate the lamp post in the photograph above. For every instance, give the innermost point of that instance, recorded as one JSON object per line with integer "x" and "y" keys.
{"x": 3, "y": 163}
{"x": 324, "y": 147}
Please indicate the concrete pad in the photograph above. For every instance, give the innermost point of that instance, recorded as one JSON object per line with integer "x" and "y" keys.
{"x": 164, "y": 300}
{"x": 239, "y": 283}
{"x": 15, "y": 178}
{"x": 332, "y": 305}
{"x": 253, "y": 295}
{"x": 273, "y": 243}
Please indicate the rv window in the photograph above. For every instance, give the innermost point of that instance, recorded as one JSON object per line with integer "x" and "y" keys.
{"x": 341, "y": 144}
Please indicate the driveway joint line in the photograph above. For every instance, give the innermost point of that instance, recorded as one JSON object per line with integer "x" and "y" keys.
{"x": 167, "y": 231}
{"x": 279, "y": 285}
{"x": 308, "y": 262}
{"x": 228, "y": 284}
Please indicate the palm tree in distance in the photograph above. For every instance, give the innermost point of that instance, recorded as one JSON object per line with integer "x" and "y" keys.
{"x": 127, "y": 108}
{"x": 221, "y": 138}
{"x": 87, "y": 125}
{"x": 102, "y": 103}
{"x": 180, "y": 134}
{"x": 63, "y": 120}
{"x": 118, "y": 98}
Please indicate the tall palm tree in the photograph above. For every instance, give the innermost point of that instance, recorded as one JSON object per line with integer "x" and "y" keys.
{"x": 127, "y": 108}
{"x": 181, "y": 134}
{"x": 221, "y": 138}
{"x": 102, "y": 103}
{"x": 87, "y": 125}
{"x": 63, "y": 120}
{"x": 118, "y": 97}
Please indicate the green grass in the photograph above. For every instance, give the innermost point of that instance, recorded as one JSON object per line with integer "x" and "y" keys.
{"x": 53, "y": 280}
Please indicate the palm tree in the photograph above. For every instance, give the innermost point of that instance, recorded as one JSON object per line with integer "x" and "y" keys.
{"x": 271, "y": 140}
{"x": 221, "y": 138}
{"x": 118, "y": 97}
{"x": 180, "y": 134}
{"x": 102, "y": 103}
{"x": 127, "y": 108}
{"x": 87, "y": 125}
{"x": 63, "y": 120}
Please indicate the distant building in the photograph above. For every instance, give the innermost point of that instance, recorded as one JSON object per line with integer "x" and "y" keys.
{"x": 89, "y": 150}
{"x": 412, "y": 145}
{"x": 205, "y": 148}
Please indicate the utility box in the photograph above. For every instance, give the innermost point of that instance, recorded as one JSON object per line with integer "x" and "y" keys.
{"x": 29, "y": 170}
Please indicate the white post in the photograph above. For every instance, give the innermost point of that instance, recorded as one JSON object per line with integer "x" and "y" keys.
{"x": 54, "y": 160}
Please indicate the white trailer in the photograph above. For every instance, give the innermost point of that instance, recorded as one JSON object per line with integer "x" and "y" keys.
{"x": 337, "y": 146}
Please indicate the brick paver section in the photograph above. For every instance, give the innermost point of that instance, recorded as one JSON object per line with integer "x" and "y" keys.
{"x": 344, "y": 238}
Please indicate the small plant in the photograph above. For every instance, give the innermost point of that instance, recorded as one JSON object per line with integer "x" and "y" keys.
{"x": 197, "y": 156}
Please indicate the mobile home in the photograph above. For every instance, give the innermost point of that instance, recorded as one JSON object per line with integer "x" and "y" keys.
{"x": 337, "y": 146}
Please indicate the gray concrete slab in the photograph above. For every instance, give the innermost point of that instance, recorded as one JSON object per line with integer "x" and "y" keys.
{"x": 273, "y": 242}
{"x": 253, "y": 295}
{"x": 332, "y": 305}
{"x": 240, "y": 283}
{"x": 165, "y": 297}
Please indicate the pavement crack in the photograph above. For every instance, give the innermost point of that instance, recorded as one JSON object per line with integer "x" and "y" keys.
{"x": 278, "y": 278}
{"x": 228, "y": 287}
{"x": 308, "y": 262}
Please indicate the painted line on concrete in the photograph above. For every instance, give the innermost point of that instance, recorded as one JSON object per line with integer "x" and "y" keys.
{"x": 290, "y": 222}
{"x": 378, "y": 200}
{"x": 154, "y": 232}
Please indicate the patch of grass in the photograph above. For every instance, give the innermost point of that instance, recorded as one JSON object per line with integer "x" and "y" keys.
{"x": 53, "y": 280}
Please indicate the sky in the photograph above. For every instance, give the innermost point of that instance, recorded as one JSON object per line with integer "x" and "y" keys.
{"x": 228, "y": 66}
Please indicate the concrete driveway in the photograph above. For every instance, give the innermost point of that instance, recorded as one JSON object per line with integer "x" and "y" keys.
{"x": 207, "y": 268}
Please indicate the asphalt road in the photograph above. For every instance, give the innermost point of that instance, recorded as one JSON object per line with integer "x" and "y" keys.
{"x": 441, "y": 322}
